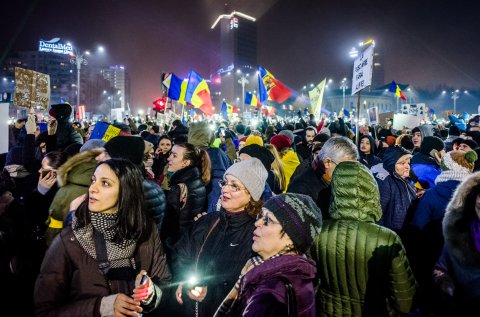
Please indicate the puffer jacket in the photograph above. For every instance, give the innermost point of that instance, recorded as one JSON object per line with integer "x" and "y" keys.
{"x": 362, "y": 267}
{"x": 155, "y": 202}
{"x": 70, "y": 283}
{"x": 223, "y": 255}
{"x": 73, "y": 178}
{"x": 179, "y": 215}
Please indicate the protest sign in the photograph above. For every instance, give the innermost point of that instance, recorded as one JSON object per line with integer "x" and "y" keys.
{"x": 32, "y": 89}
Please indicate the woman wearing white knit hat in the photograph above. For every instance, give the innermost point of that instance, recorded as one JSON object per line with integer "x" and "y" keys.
{"x": 211, "y": 257}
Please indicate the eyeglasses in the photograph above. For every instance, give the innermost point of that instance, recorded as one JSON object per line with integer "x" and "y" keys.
{"x": 236, "y": 160}
{"x": 266, "y": 220}
{"x": 233, "y": 187}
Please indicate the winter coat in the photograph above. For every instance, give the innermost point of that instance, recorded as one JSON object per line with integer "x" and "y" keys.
{"x": 224, "y": 253}
{"x": 461, "y": 122}
{"x": 71, "y": 284}
{"x": 362, "y": 267}
{"x": 290, "y": 162}
{"x": 369, "y": 160}
{"x": 220, "y": 163}
{"x": 73, "y": 178}
{"x": 263, "y": 293}
{"x": 179, "y": 131}
{"x": 396, "y": 197}
{"x": 311, "y": 183}
{"x": 155, "y": 201}
{"x": 426, "y": 169}
{"x": 179, "y": 215}
{"x": 460, "y": 260}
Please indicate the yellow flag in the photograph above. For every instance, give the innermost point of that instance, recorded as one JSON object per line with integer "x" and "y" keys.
{"x": 183, "y": 90}
{"x": 316, "y": 97}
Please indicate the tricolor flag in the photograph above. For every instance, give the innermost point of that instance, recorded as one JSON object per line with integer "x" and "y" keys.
{"x": 251, "y": 99}
{"x": 104, "y": 131}
{"x": 175, "y": 87}
{"x": 396, "y": 89}
{"x": 270, "y": 87}
{"x": 198, "y": 93}
{"x": 291, "y": 107}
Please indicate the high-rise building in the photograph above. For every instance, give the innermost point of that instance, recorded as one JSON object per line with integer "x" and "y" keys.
{"x": 119, "y": 79}
{"x": 235, "y": 65}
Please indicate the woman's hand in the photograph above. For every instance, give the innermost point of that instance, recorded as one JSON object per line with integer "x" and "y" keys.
{"x": 143, "y": 291}
{"x": 77, "y": 202}
{"x": 48, "y": 180}
{"x": 197, "y": 293}
{"x": 178, "y": 293}
{"x": 126, "y": 306}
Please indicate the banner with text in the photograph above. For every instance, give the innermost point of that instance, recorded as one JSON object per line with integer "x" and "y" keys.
{"x": 362, "y": 70}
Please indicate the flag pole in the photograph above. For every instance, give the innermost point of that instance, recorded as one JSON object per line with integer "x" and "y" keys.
{"x": 358, "y": 119}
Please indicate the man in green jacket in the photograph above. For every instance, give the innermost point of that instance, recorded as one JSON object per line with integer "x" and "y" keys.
{"x": 362, "y": 267}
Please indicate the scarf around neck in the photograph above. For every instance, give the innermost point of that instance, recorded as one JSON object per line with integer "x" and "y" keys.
{"x": 118, "y": 254}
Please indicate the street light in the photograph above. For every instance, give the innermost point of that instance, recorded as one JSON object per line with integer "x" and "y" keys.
{"x": 242, "y": 81}
{"x": 79, "y": 59}
{"x": 343, "y": 86}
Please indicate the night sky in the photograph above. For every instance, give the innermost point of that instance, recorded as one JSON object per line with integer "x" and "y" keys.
{"x": 424, "y": 43}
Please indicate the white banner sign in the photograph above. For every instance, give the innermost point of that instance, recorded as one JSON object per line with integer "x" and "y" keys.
{"x": 4, "y": 127}
{"x": 362, "y": 70}
{"x": 415, "y": 109}
{"x": 409, "y": 121}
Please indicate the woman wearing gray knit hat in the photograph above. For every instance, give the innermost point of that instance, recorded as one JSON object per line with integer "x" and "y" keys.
{"x": 212, "y": 254}
{"x": 279, "y": 282}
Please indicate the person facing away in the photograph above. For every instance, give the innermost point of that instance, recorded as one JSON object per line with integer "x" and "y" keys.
{"x": 281, "y": 273}
{"x": 362, "y": 267}
{"x": 95, "y": 266}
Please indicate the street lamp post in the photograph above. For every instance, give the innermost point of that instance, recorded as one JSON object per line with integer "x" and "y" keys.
{"x": 455, "y": 96}
{"x": 243, "y": 81}
{"x": 343, "y": 85}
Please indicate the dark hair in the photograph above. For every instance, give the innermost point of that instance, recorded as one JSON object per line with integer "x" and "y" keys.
{"x": 56, "y": 158}
{"x": 132, "y": 221}
{"x": 254, "y": 208}
{"x": 176, "y": 123}
{"x": 165, "y": 137}
{"x": 240, "y": 128}
{"x": 198, "y": 158}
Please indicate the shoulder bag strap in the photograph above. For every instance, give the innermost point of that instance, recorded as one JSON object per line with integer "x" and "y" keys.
{"x": 203, "y": 244}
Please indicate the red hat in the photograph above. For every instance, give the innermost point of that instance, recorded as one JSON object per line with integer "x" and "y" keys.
{"x": 280, "y": 141}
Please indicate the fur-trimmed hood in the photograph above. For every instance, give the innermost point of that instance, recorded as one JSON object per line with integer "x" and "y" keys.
{"x": 78, "y": 168}
{"x": 458, "y": 238}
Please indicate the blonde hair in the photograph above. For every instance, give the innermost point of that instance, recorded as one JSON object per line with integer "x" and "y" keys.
{"x": 277, "y": 167}
{"x": 398, "y": 141}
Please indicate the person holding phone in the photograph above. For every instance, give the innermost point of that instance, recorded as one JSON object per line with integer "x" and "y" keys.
{"x": 426, "y": 162}
{"x": 95, "y": 266}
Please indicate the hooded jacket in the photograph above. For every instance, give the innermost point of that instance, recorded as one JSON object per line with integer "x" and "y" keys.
{"x": 460, "y": 260}
{"x": 362, "y": 267}
{"x": 73, "y": 178}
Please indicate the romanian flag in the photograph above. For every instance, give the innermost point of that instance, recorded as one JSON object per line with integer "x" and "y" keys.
{"x": 396, "y": 89}
{"x": 198, "y": 93}
{"x": 226, "y": 107}
{"x": 345, "y": 113}
{"x": 104, "y": 131}
{"x": 291, "y": 107}
{"x": 251, "y": 99}
{"x": 271, "y": 88}
{"x": 268, "y": 110}
{"x": 174, "y": 87}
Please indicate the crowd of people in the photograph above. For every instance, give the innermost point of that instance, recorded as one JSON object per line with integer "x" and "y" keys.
{"x": 292, "y": 217}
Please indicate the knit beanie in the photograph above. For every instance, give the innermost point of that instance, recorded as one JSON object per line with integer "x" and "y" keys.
{"x": 299, "y": 216}
{"x": 92, "y": 144}
{"x": 430, "y": 143}
{"x": 391, "y": 155}
{"x": 253, "y": 139}
{"x": 459, "y": 161}
{"x": 252, "y": 174}
{"x": 289, "y": 134}
{"x": 453, "y": 130}
{"x": 127, "y": 147}
{"x": 280, "y": 142}
{"x": 472, "y": 144}
{"x": 61, "y": 111}
{"x": 391, "y": 140}
{"x": 199, "y": 134}
{"x": 261, "y": 153}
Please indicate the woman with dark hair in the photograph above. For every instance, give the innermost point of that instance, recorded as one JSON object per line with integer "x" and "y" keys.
{"x": 110, "y": 260}
{"x": 187, "y": 197}
{"x": 457, "y": 271}
{"x": 160, "y": 161}
{"x": 366, "y": 151}
{"x": 281, "y": 274}
{"x": 219, "y": 243}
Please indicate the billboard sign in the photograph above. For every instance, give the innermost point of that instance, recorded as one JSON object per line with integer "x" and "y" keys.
{"x": 55, "y": 45}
